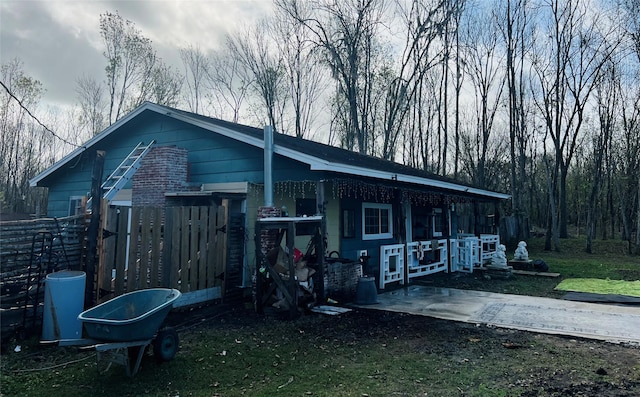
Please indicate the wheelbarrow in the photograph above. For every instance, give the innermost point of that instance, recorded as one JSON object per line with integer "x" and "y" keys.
{"x": 122, "y": 328}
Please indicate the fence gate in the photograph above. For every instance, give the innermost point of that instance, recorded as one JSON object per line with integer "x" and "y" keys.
{"x": 176, "y": 247}
{"x": 465, "y": 254}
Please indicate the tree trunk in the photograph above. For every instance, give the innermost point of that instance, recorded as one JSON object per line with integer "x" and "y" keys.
{"x": 549, "y": 232}
{"x": 457, "y": 115}
{"x": 637, "y": 247}
{"x": 562, "y": 203}
{"x": 591, "y": 217}
{"x": 445, "y": 96}
{"x": 552, "y": 228}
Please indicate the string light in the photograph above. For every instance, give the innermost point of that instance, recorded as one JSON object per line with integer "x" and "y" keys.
{"x": 295, "y": 189}
{"x": 358, "y": 189}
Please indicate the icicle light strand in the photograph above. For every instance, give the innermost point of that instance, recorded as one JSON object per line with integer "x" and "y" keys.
{"x": 352, "y": 188}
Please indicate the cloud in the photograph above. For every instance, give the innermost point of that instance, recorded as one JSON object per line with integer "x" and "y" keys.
{"x": 59, "y": 40}
{"x": 52, "y": 54}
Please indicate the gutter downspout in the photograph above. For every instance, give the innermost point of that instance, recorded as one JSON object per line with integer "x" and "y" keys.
{"x": 268, "y": 166}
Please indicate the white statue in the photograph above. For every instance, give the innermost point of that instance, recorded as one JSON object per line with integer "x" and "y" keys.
{"x": 499, "y": 258}
{"x": 521, "y": 252}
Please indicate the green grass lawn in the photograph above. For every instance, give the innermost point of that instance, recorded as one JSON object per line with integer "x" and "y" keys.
{"x": 601, "y": 286}
{"x": 609, "y": 262}
{"x": 609, "y": 259}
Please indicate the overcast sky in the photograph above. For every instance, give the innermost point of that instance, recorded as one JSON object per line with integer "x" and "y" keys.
{"x": 59, "y": 40}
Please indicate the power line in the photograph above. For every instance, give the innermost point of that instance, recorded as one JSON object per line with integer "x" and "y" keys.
{"x": 35, "y": 118}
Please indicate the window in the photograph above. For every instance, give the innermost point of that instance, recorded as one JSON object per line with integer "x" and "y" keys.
{"x": 75, "y": 205}
{"x": 376, "y": 221}
{"x": 438, "y": 222}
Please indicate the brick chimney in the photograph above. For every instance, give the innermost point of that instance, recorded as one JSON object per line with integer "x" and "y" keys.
{"x": 164, "y": 169}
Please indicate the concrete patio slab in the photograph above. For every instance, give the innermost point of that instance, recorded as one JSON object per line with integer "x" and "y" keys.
{"x": 613, "y": 323}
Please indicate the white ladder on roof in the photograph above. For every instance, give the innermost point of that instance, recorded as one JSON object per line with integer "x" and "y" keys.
{"x": 124, "y": 172}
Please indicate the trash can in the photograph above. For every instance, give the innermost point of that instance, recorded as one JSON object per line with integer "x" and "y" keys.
{"x": 366, "y": 291}
{"x": 63, "y": 302}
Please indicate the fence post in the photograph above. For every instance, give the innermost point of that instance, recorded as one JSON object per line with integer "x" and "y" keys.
{"x": 92, "y": 233}
{"x": 167, "y": 238}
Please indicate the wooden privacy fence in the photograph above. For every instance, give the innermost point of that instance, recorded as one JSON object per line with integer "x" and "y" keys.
{"x": 175, "y": 247}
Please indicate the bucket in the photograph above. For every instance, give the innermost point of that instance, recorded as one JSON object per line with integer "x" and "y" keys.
{"x": 366, "y": 291}
{"x": 63, "y": 302}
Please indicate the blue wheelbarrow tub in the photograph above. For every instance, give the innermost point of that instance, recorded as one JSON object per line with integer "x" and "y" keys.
{"x": 134, "y": 316}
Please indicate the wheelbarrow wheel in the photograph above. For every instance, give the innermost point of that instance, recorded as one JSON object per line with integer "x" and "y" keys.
{"x": 165, "y": 345}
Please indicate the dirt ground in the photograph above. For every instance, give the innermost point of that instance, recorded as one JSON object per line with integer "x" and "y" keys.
{"x": 492, "y": 361}
{"x": 542, "y": 365}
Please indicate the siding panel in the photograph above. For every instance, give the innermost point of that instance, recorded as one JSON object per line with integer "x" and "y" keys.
{"x": 212, "y": 158}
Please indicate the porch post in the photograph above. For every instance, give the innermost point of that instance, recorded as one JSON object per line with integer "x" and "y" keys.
{"x": 321, "y": 209}
{"x": 408, "y": 237}
{"x": 453, "y": 236}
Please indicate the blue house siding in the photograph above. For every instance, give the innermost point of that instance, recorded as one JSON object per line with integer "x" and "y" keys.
{"x": 212, "y": 158}
{"x": 351, "y": 246}
{"x": 75, "y": 180}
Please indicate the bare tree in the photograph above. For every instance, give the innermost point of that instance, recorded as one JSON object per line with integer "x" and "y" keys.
{"x": 20, "y": 136}
{"x": 626, "y": 153}
{"x": 607, "y": 97}
{"x": 304, "y": 76}
{"x": 420, "y": 145}
{"x": 256, "y": 53}
{"x": 164, "y": 86}
{"x": 482, "y": 62}
{"x": 493, "y": 166}
{"x": 631, "y": 121}
{"x": 91, "y": 102}
{"x": 458, "y": 90}
{"x": 515, "y": 25}
{"x": 228, "y": 83}
{"x": 631, "y": 11}
{"x": 567, "y": 62}
{"x": 346, "y": 32}
{"x": 426, "y": 23}
{"x": 130, "y": 63}
{"x": 196, "y": 67}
